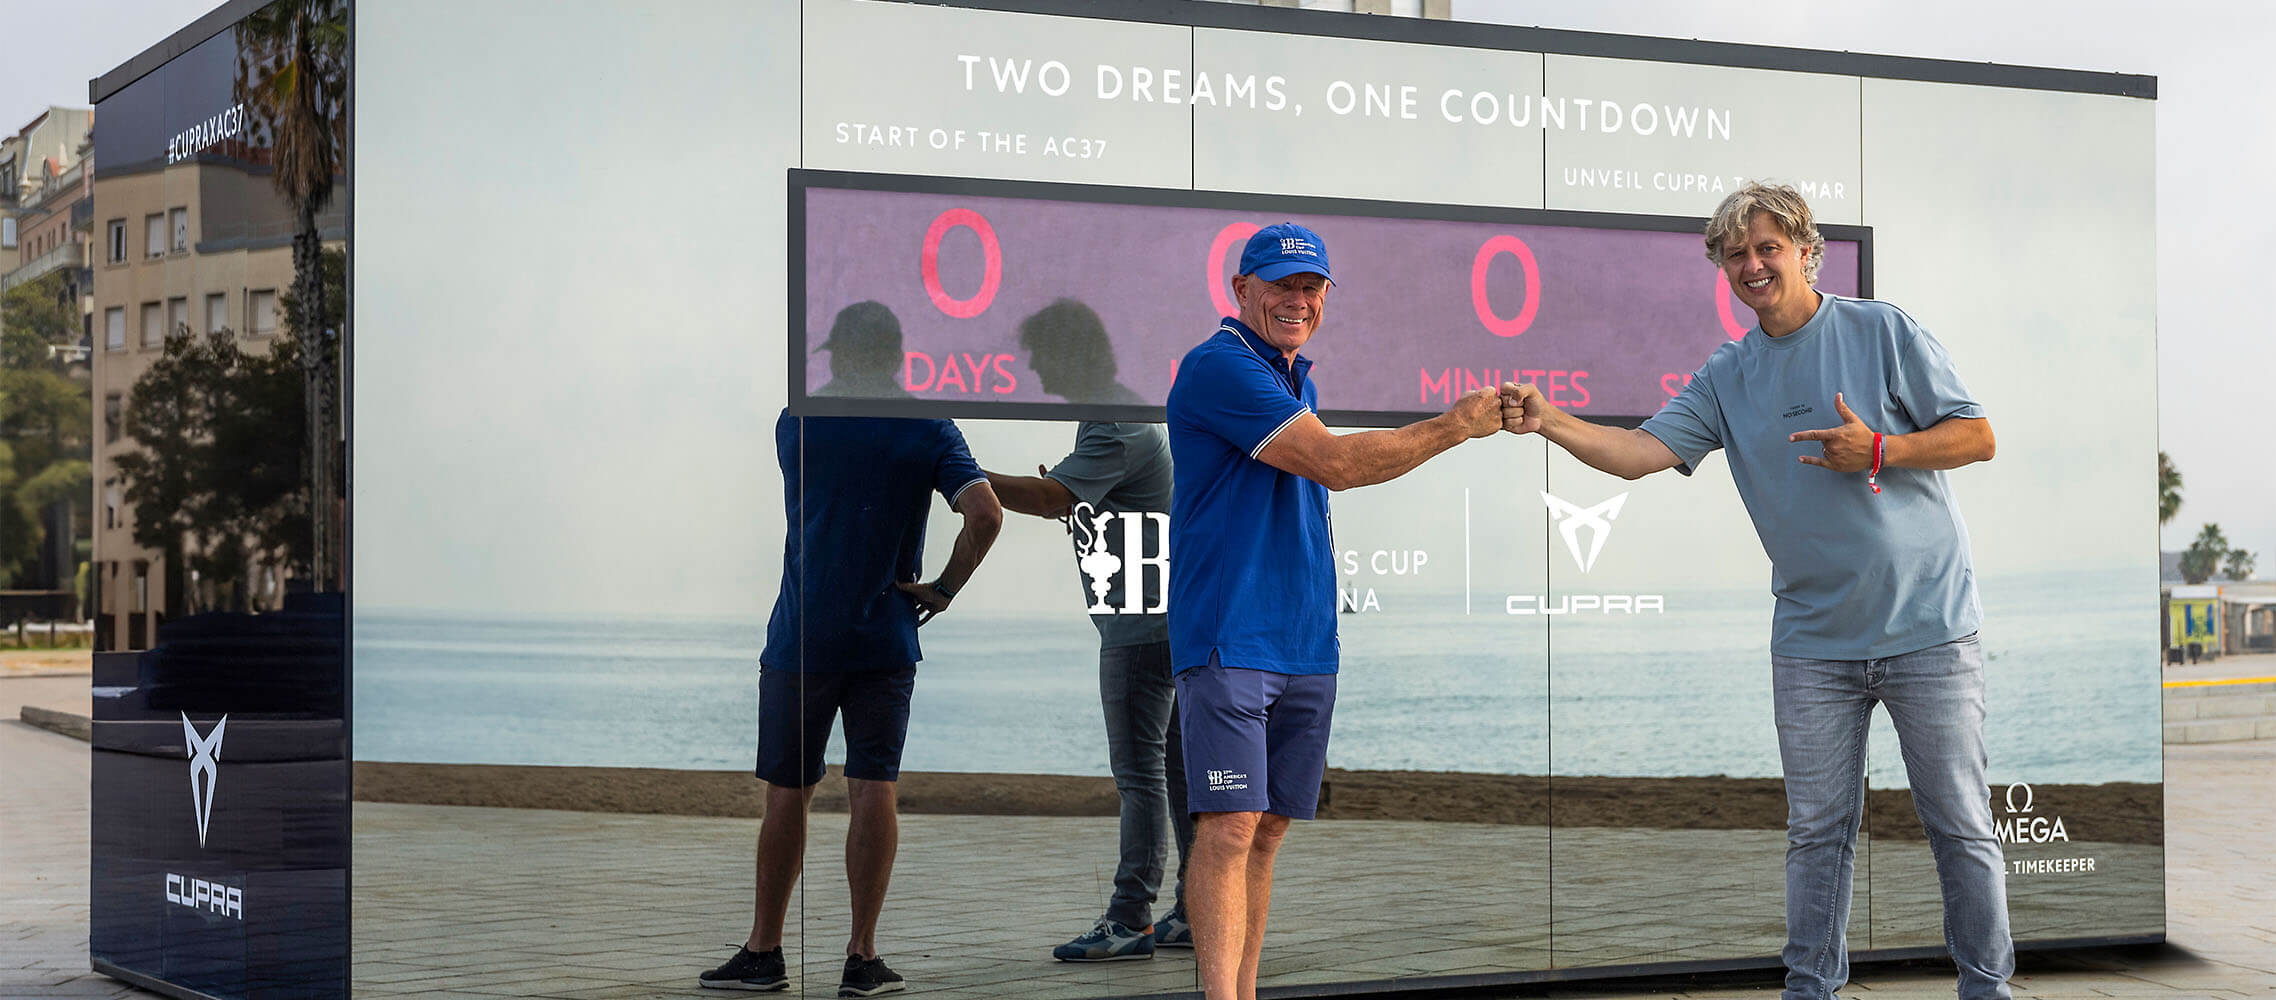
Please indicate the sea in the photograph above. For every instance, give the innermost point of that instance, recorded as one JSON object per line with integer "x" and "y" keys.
{"x": 2071, "y": 675}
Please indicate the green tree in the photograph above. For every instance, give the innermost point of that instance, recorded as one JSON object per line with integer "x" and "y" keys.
{"x": 2203, "y": 557}
{"x": 292, "y": 75}
{"x": 217, "y": 482}
{"x": 2238, "y": 566}
{"x": 44, "y": 429}
{"x": 2168, "y": 489}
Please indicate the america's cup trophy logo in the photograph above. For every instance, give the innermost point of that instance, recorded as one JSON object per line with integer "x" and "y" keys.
{"x": 1096, "y": 562}
{"x": 204, "y": 775}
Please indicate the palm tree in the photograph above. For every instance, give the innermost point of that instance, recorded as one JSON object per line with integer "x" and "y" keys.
{"x": 292, "y": 76}
{"x": 2203, "y": 557}
{"x": 2168, "y": 489}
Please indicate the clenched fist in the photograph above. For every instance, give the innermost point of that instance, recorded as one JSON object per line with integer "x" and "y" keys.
{"x": 1522, "y": 407}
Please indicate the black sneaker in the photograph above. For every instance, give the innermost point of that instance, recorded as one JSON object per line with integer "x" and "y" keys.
{"x": 868, "y": 977}
{"x": 759, "y": 971}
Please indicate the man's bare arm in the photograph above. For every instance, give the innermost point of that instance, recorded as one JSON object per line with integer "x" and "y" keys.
{"x": 1306, "y": 447}
{"x": 1038, "y": 495}
{"x": 1946, "y": 444}
{"x": 983, "y": 518}
{"x": 1627, "y": 452}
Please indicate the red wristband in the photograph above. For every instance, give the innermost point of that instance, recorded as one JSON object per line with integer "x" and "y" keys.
{"x": 1872, "y": 478}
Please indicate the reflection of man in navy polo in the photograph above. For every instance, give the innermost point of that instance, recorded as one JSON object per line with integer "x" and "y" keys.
{"x": 1253, "y": 582}
{"x": 1869, "y": 562}
{"x": 842, "y": 641}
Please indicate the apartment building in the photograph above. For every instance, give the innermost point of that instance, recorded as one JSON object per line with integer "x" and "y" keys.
{"x": 195, "y": 244}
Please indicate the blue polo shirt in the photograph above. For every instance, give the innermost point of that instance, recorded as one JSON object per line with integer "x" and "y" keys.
{"x": 1252, "y": 561}
{"x": 856, "y": 491}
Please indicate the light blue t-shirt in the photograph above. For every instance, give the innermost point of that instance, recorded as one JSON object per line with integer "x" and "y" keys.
{"x": 1857, "y": 575}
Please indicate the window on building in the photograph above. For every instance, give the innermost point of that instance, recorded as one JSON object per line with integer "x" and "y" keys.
{"x": 114, "y": 328}
{"x": 177, "y": 315}
{"x": 141, "y": 586}
{"x": 118, "y": 241}
{"x": 261, "y": 312}
{"x": 154, "y": 234}
{"x": 216, "y": 312}
{"x": 153, "y": 325}
{"x": 114, "y": 419}
{"x": 7, "y": 228}
{"x": 178, "y": 220}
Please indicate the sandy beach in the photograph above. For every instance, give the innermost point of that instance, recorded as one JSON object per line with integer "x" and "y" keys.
{"x": 2128, "y": 813}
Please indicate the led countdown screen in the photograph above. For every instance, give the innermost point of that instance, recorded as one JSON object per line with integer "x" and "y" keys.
{"x": 1608, "y": 314}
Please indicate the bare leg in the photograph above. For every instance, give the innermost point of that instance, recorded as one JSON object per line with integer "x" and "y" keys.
{"x": 1230, "y": 889}
{"x": 1264, "y": 846}
{"x": 873, "y": 836}
{"x": 781, "y": 852}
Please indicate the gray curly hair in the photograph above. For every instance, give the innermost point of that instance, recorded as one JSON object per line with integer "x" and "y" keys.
{"x": 1785, "y": 207}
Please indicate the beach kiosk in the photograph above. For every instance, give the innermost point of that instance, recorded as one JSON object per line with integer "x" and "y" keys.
{"x": 463, "y": 345}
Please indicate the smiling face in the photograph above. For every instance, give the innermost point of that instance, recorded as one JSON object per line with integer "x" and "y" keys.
{"x": 1286, "y": 312}
{"x": 1766, "y": 273}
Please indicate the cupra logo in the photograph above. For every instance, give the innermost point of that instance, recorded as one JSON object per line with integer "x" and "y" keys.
{"x": 203, "y": 750}
{"x": 1572, "y": 518}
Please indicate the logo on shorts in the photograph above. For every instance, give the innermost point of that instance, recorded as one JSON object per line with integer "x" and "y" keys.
{"x": 1227, "y": 781}
{"x": 1089, "y": 525}
{"x": 203, "y": 750}
{"x": 1572, "y": 518}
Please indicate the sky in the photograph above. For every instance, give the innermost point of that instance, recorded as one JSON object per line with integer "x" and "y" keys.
{"x": 2209, "y": 238}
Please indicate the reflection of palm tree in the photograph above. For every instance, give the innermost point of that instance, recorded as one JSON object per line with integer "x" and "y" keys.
{"x": 292, "y": 76}
{"x": 2168, "y": 489}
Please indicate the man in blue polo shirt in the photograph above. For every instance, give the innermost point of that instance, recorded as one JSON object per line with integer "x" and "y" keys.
{"x": 1869, "y": 562}
{"x": 1253, "y": 583}
{"x": 843, "y": 637}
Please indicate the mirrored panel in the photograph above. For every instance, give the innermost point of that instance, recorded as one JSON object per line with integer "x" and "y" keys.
{"x": 218, "y": 333}
{"x": 2072, "y": 735}
{"x": 614, "y": 470}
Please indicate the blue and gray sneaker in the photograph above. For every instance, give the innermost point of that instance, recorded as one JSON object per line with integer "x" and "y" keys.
{"x": 1108, "y": 942}
{"x": 1173, "y": 932}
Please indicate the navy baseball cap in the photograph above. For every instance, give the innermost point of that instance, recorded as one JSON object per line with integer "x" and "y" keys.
{"x": 1278, "y": 251}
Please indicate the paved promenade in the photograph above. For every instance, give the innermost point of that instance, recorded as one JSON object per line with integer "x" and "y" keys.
{"x": 454, "y": 901}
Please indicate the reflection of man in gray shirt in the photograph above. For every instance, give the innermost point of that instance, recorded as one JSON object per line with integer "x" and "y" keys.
{"x": 1838, "y": 417}
{"x": 1117, "y": 478}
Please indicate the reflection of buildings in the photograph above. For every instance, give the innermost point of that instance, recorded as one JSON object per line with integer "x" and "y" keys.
{"x": 197, "y": 246}
{"x": 42, "y": 178}
{"x": 44, "y": 223}
{"x": 2219, "y": 619}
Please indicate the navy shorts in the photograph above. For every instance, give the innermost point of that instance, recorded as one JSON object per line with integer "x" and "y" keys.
{"x": 795, "y": 710}
{"x": 1255, "y": 741}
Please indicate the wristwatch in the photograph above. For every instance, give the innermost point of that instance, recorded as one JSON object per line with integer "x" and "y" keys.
{"x": 945, "y": 590}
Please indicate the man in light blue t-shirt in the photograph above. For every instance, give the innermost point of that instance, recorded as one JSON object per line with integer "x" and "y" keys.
{"x": 1838, "y": 417}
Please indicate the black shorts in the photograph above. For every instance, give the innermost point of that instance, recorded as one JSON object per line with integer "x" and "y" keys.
{"x": 795, "y": 710}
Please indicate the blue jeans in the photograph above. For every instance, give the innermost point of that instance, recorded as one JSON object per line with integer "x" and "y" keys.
{"x": 1142, "y": 749}
{"x": 1935, "y": 699}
